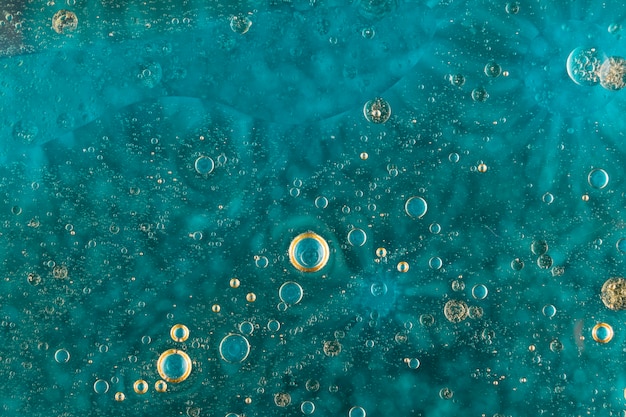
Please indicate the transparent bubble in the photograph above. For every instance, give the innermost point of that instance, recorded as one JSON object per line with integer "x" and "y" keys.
{"x": 480, "y": 292}
{"x": 427, "y": 320}
{"x": 621, "y": 245}
{"x": 261, "y": 261}
{"x": 174, "y": 365}
{"x": 234, "y": 348}
{"x": 332, "y": 348}
{"x": 613, "y": 73}
{"x": 602, "y": 333}
{"x": 446, "y": 393}
{"x": 357, "y": 412}
{"x": 378, "y": 289}
{"x": 613, "y": 293}
{"x": 101, "y": 386}
{"x": 598, "y": 178}
{"x": 240, "y": 24}
{"x": 357, "y": 237}
{"x": 435, "y": 262}
{"x": 416, "y": 207}
{"x": 321, "y": 202}
{"x": 556, "y": 346}
{"x": 583, "y": 66}
{"x": 273, "y": 325}
{"x": 308, "y": 252}
{"x": 539, "y": 247}
{"x": 62, "y": 356}
{"x": 377, "y": 110}
{"x": 290, "y": 293}
{"x": 512, "y": 7}
{"x": 307, "y": 407}
{"x": 544, "y": 261}
{"x": 547, "y": 198}
{"x": 517, "y": 264}
{"x": 246, "y": 328}
{"x": 434, "y": 228}
{"x": 492, "y": 69}
{"x": 457, "y": 80}
{"x": 64, "y": 21}
{"x": 282, "y": 399}
{"x": 204, "y": 165}
{"x": 549, "y": 310}
{"x": 480, "y": 95}
{"x": 413, "y": 363}
{"x": 454, "y": 157}
{"x": 368, "y": 33}
{"x": 312, "y": 385}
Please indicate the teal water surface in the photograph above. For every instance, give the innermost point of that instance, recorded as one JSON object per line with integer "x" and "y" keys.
{"x": 327, "y": 208}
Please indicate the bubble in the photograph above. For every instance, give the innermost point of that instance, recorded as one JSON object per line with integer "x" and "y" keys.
{"x": 413, "y": 363}
{"x": 160, "y": 386}
{"x": 613, "y": 293}
{"x": 517, "y": 264}
{"x": 416, "y": 207}
{"x": 246, "y": 328}
{"x": 62, "y": 356}
{"x": 240, "y": 24}
{"x": 620, "y": 245}
{"x": 282, "y": 399}
{"x": 492, "y": 69}
{"x": 174, "y": 365}
{"x": 613, "y": 73}
{"x": 307, "y": 407}
{"x": 100, "y": 386}
{"x": 261, "y": 261}
{"x": 34, "y": 279}
{"x": 539, "y": 247}
{"x": 308, "y": 252}
{"x": 556, "y": 346}
{"x": 64, "y": 21}
{"x": 480, "y": 292}
{"x": 457, "y": 80}
{"x": 120, "y": 396}
{"x": 357, "y": 412}
{"x": 273, "y": 325}
{"x": 602, "y": 333}
{"x": 427, "y": 320}
{"x": 251, "y": 297}
{"x": 598, "y": 178}
{"x": 544, "y": 261}
{"x": 140, "y": 386}
{"x": 435, "y": 262}
{"x": 455, "y": 310}
{"x": 312, "y": 385}
{"x": 290, "y": 292}
{"x": 454, "y": 157}
{"x": 321, "y": 202}
{"x": 482, "y": 168}
{"x": 446, "y": 393}
{"x": 381, "y": 252}
{"x": 377, "y": 110}
{"x": 378, "y": 289}
{"x": 403, "y": 267}
{"x": 583, "y": 66}
{"x": 512, "y": 7}
{"x": 368, "y": 33}
{"x": 549, "y": 310}
{"x": 146, "y": 340}
{"x": 434, "y": 228}
{"x": 204, "y": 165}
{"x": 234, "y": 348}
{"x": 179, "y": 333}
{"x": 547, "y": 198}
{"x": 332, "y": 348}
{"x": 357, "y": 237}
{"x": 480, "y": 94}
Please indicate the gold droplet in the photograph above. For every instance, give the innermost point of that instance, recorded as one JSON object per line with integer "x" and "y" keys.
{"x": 160, "y": 386}
{"x": 251, "y": 297}
{"x": 216, "y": 308}
{"x": 140, "y": 386}
{"x": 119, "y": 396}
{"x": 234, "y": 283}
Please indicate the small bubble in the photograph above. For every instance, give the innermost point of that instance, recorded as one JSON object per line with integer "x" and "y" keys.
{"x": 240, "y": 24}
{"x": 234, "y": 348}
{"x": 602, "y": 333}
{"x": 120, "y": 396}
{"x": 435, "y": 263}
{"x": 251, "y": 297}
{"x": 446, "y": 393}
{"x": 307, "y": 407}
{"x": 517, "y": 264}
{"x": 416, "y": 207}
{"x": 480, "y": 292}
{"x": 457, "y": 80}
{"x": 64, "y": 21}
{"x": 480, "y": 95}
{"x": 377, "y": 110}
{"x": 140, "y": 386}
{"x": 357, "y": 237}
{"x": 598, "y": 178}
{"x": 204, "y": 165}
{"x": 512, "y": 7}
{"x": 321, "y": 202}
{"x": 179, "y": 333}
{"x": 62, "y": 356}
{"x": 368, "y": 33}
{"x": 549, "y": 310}
{"x": 403, "y": 267}
{"x": 357, "y": 412}
{"x": 160, "y": 386}
{"x": 413, "y": 363}
{"x": 234, "y": 283}
{"x": 381, "y": 252}
{"x": 101, "y": 386}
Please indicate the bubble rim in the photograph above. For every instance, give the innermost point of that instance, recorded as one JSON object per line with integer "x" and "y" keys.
{"x": 164, "y": 356}
{"x": 177, "y": 327}
{"x": 309, "y": 235}
{"x": 222, "y": 342}
{"x": 605, "y": 326}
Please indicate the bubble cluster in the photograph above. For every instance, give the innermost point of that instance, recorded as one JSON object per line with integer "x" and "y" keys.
{"x": 613, "y": 293}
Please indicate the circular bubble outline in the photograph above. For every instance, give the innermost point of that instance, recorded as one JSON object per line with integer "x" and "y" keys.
{"x": 161, "y": 362}
{"x": 325, "y": 252}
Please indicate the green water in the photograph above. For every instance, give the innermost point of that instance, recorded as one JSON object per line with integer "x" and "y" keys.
{"x": 366, "y": 208}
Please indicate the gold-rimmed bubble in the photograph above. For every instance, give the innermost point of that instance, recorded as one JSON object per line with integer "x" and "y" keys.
{"x": 140, "y": 386}
{"x": 174, "y": 365}
{"x": 403, "y": 267}
{"x": 234, "y": 283}
{"x": 309, "y": 252}
{"x": 120, "y": 396}
{"x": 251, "y": 297}
{"x": 179, "y": 333}
{"x": 160, "y": 386}
{"x": 381, "y": 252}
{"x": 602, "y": 333}
{"x": 216, "y": 308}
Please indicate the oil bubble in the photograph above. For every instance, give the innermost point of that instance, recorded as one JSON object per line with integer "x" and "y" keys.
{"x": 120, "y": 396}
{"x": 246, "y": 328}
{"x": 413, "y": 363}
{"x": 101, "y": 386}
{"x": 544, "y": 261}
{"x": 416, "y": 207}
{"x": 455, "y": 310}
{"x": 621, "y": 245}
{"x": 307, "y": 407}
{"x": 234, "y": 348}
{"x": 174, "y": 365}
{"x": 539, "y": 247}
{"x": 381, "y": 252}
{"x": 357, "y": 412}
{"x": 308, "y": 252}
{"x": 62, "y": 356}
{"x": 357, "y": 237}
{"x": 140, "y": 386}
{"x": 602, "y": 333}
{"x": 332, "y": 348}
{"x": 480, "y": 292}
{"x": 598, "y": 178}
{"x": 457, "y": 80}
{"x": 377, "y": 110}
{"x": 492, "y": 69}
{"x": 321, "y": 202}
{"x": 282, "y": 399}
{"x": 179, "y": 333}
{"x": 613, "y": 73}
{"x": 273, "y": 325}
{"x": 290, "y": 292}
{"x": 435, "y": 263}
{"x": 403, "y": 267}
{"x": 204, "y": 165}
{"x": 583, "y": 66}
{"x": 160, "y": 386}
{"x": 613, "y": 293}
{"x": 549, "y": 310}
{"x": 480, "y": 94}
{"x": 240, "y": 24}
{"x": 512, "y": 7}
{"x": 556, "y": 346}
{"x": 64, "y": 21}
{"x": 517, "y": 264}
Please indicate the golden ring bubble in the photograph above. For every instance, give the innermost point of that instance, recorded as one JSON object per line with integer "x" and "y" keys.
{"x": 140, "y": 386}
{"x": 179, "y": 333}
{"x": 602, "y": 333}
{"x": 160, "y": 386}
{"x": 298, "y": 255}
{"x": 119, "y": 396}
{"x": 164, "y": 368}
